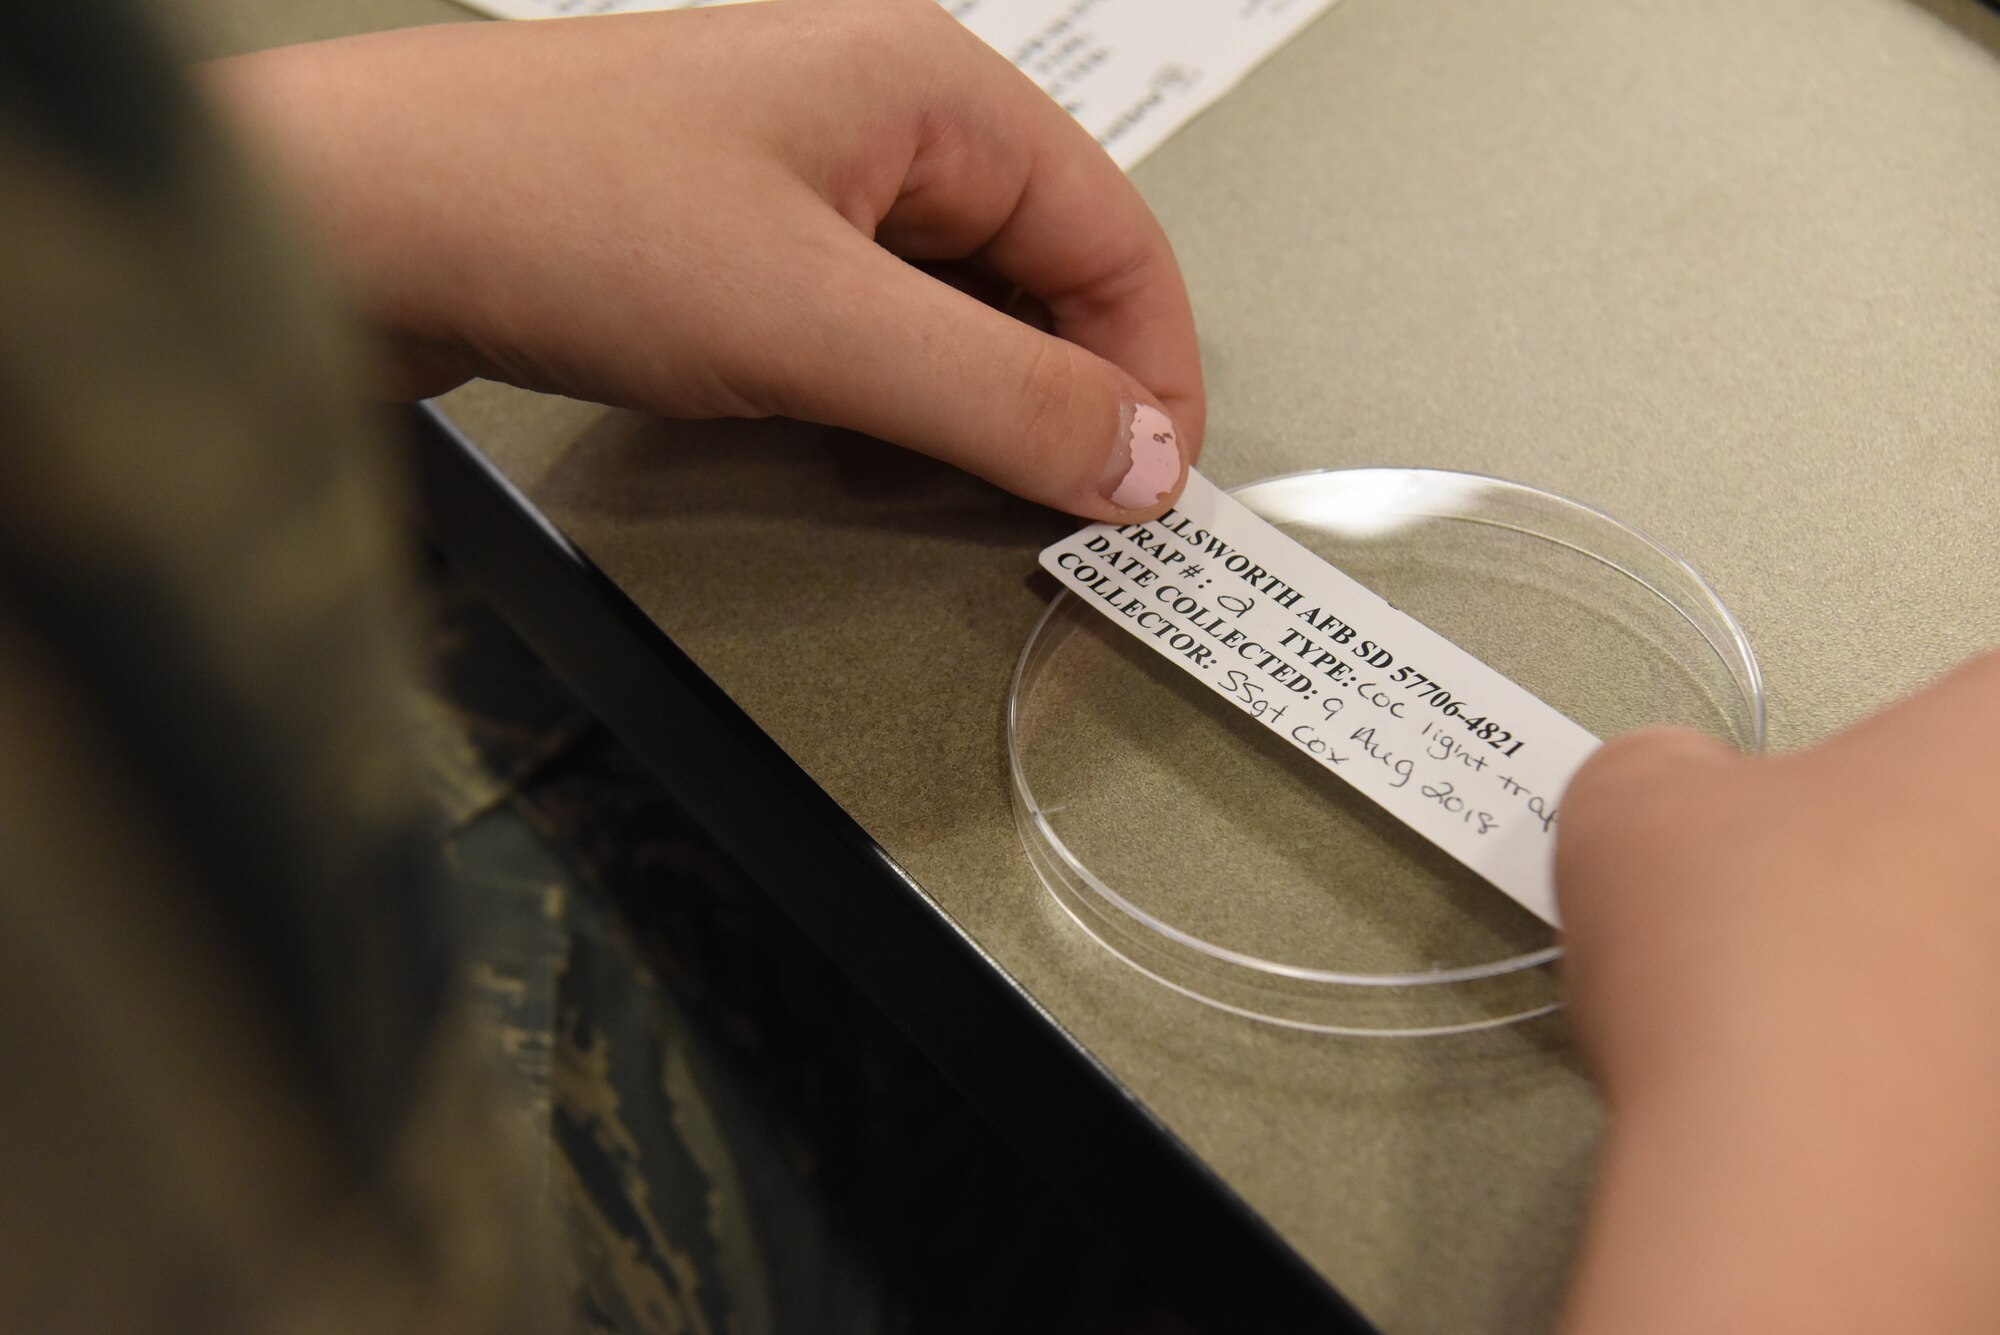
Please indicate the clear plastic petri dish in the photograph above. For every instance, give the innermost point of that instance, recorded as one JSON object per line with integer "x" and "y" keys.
{"x": 1201, "y": 850}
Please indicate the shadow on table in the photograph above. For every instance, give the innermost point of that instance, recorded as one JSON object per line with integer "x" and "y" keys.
{"x": 628, "y": 466}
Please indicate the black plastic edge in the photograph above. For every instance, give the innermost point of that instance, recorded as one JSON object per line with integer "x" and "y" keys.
{"x": 1179, "y": 1224}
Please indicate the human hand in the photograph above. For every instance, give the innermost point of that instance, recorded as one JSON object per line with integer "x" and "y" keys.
{"x": 1714, "y": 904}
{"x": 713, "y": 213}
{"x": 1784, "y": 973}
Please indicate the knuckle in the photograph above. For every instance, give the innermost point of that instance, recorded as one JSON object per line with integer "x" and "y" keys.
{"x": 888, "y": 23}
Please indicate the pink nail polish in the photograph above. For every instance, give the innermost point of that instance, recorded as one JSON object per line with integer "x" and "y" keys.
{"x": 1147, "y": 462}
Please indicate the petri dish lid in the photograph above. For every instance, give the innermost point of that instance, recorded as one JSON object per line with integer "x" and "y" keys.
{"x": 1201, "y": 850}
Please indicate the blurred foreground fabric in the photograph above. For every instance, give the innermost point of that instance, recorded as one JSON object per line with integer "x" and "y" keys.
{"x": 243, "y": 1089}
{"x": 350, "y": 988}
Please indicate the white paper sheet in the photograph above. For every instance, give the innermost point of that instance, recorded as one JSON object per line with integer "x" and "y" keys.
{"x": 1131, "y": 71}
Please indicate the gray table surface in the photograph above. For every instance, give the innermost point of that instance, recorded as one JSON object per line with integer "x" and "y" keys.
{"x": 1728, "y": 270}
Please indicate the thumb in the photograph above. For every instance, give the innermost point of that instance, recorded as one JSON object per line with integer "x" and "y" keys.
{"x": 1628, "y": 801}
{"x": 888, "y": 350}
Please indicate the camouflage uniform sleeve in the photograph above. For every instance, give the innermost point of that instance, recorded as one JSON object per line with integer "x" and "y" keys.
{"x": 241, "y": 1089}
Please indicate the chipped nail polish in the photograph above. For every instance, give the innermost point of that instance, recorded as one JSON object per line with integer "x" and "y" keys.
{"x": 1147, "y": 463}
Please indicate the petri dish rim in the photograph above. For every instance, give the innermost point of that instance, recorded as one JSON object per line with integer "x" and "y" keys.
{"x": 1725, "y": 637}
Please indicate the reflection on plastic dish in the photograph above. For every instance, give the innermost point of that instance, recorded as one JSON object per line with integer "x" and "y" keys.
{"x": 1376, "y": 502}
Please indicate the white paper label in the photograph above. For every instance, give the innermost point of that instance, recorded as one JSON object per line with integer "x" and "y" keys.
{"x": 1131, "y": 71}
{"x": 1459, "y": 753}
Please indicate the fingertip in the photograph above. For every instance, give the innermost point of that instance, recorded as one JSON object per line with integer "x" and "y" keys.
{"x": 1645, "y": 756}
{"x": 1667, "y": 743}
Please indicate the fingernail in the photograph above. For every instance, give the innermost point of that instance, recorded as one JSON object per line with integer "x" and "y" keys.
{"x": 1145, "y": 464}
